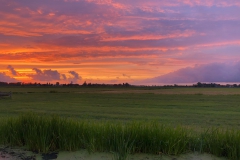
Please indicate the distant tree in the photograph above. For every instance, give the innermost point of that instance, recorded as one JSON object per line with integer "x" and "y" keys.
{"x": 84, "y": 84}
{"x": 126, "y": 84}
{"x": 199, "y": 84}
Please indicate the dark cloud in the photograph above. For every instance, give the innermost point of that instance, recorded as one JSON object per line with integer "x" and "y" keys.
{"x": 54, "y": 75}
{"x": 6, "y": 78}
{"x": 75, "y": 76}
{"x": 45, "y": 75}
{"x": 215, "y": 72}
{"x": 12, "y": 70}
{"x": 64, "y": 77}
{"x": 125, "y": 75}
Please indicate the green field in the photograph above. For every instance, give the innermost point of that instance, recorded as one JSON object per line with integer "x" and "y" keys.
{"x": 123, "y": 121}
{"x": 195, "y": 107}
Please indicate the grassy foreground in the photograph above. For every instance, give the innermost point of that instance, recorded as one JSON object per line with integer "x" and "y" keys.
{"x": 53, "y": 133}
{"x": 192, "y": 107}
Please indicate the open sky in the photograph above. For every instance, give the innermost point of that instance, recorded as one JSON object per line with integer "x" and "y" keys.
{"x": 116, "y": 41}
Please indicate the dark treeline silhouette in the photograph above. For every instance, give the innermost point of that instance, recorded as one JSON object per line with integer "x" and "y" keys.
{"x": 57, "y": 84}
{"x": 85, "y": 84}
{"x": 199, "y": 84}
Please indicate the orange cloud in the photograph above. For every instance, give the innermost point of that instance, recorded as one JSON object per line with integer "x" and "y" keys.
{"x": 177, "y": 34}
{"x": 220, "y": 44}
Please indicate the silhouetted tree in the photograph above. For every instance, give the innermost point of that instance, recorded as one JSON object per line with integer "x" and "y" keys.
{"x": 84, "y": 84}
{"x": 199, "y": 84}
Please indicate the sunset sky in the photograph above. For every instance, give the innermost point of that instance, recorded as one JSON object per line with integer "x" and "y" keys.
{"x": 116, "y": 41}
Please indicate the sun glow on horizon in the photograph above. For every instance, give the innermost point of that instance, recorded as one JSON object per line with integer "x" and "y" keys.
{"x": 119, "y": 41}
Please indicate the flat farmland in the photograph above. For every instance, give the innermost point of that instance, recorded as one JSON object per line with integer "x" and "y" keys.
{"x": 191, "y": 107}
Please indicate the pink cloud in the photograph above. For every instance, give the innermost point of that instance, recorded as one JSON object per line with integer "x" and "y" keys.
{"x": 6, "y": 78}
{"x": 214, "y": 72}
{"x": 220, "y": 3}
{"x": 175, "y": 34}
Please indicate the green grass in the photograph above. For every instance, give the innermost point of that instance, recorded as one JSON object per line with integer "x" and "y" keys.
{"x": 194, "y": 107}
{"x": 123, "y": 120}
{"x": 53, "y": 133}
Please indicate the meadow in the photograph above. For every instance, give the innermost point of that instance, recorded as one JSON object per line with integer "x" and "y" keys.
{"x": 123, "y": 120}
{"x": 195, "y": 107}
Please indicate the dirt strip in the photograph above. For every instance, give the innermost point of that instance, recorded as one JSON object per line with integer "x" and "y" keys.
{"x": 8, "y": 153}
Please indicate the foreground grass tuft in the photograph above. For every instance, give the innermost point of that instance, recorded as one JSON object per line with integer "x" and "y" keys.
{"x": 53, "y": 133}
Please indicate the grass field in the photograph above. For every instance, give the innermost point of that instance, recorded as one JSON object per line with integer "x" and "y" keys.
{"x": 194, "y": 107}
{"x": 46, "y": 134}
{"x": 127, "y": 120}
